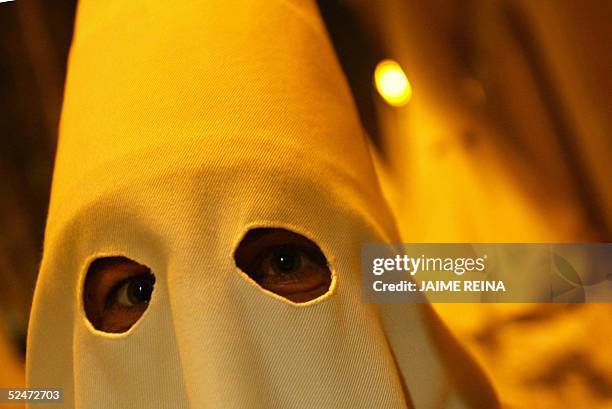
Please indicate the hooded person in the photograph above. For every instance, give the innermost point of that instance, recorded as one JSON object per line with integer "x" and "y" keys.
{"x": 204, "y": 147}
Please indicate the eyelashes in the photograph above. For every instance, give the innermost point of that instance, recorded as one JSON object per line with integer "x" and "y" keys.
{"x": 117, "y": 291}
{"x": 131, "y": 292}
{"x": 285, "y": 263}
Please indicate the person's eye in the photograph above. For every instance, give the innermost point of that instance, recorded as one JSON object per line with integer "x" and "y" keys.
{"x": 117, "y": 292}
{"x": 285, "y": 263}
{"x": 132, "y": 292}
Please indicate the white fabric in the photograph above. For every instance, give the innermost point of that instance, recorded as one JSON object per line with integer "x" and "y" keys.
{"x": 184, "y": 125}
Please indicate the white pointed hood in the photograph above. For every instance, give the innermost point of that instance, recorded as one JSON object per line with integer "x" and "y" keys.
{"x": 184, "y": 125}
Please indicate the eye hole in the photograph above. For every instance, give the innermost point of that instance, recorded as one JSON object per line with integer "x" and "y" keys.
{"x": 285, "y": 263}
{"x": 117, "y": 292}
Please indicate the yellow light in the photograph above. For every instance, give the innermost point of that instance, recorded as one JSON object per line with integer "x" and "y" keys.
{"x": 392, "y": 84}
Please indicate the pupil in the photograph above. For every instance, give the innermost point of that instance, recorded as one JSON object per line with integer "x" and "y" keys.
{"x": 140, "y": 291}
{"x": 286, "y": 261}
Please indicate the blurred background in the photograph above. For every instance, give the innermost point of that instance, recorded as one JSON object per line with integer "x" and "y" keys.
{"x": 490, "y": 121}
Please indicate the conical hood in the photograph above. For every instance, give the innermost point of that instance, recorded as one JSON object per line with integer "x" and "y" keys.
{"x": 186, "y": 126}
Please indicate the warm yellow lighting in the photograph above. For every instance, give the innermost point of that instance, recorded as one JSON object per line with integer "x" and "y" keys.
{"x": 391, "y": 83}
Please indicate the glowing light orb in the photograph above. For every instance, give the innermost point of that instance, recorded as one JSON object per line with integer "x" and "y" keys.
{"x": 392, "y": 83}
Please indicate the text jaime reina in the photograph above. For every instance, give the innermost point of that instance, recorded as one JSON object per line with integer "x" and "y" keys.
{"x": 414, "y": 265}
